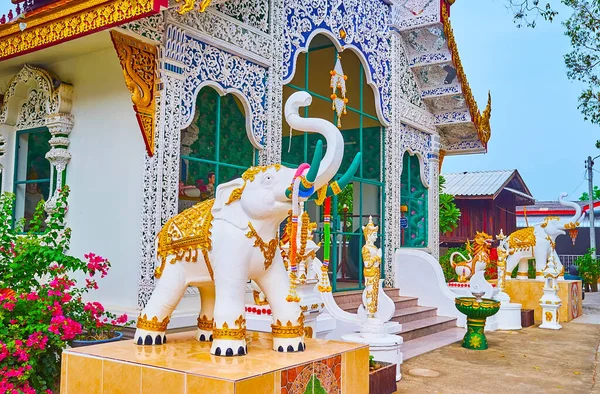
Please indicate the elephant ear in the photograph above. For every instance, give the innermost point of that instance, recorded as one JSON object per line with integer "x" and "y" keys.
{"x": 227, "y": 205}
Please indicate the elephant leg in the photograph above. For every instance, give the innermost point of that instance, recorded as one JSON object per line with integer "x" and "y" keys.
{"x": 560, "y": 266}
{"x": 153, "y": 320}
{"x": 229, "y": 330}
{"x": 523, "y": 272}
{"x": 542, "y": 254}
{"x": 275, "y": 284}
{"x": 205, "y": 319}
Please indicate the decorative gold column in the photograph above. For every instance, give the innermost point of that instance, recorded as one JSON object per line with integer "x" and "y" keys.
{"x": 138, "y": 60}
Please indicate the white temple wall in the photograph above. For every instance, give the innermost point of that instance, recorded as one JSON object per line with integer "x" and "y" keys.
{"x": 105, "y": 172}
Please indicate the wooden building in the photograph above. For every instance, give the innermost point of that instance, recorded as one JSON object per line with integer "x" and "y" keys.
{"x": 487, "y": 201}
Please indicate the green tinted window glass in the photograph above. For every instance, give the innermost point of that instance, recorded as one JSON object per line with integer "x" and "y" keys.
{"x": 414, "y": 196}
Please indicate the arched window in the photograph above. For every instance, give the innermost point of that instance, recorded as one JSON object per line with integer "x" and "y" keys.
{"x": 32, "y": 179}
{"x": 362, "y": 132}
{"x": 414, "y": 203}
{"x": 214, "y": 148}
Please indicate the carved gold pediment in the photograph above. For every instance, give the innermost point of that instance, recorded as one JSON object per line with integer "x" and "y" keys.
{"x": 138, "y": 60}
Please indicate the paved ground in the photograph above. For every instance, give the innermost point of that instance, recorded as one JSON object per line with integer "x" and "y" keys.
{"x": 529, "y": 361}
{"x": 591, "y": 309}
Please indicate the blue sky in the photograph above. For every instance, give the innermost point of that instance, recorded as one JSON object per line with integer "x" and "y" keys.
{"x": 536, "y": 126}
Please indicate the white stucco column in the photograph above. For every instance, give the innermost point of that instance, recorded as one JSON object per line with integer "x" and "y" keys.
{"x": 60, "y": 126}
{"x": 272, "y": 152}
{"x": 161, "y": 171}
{"x": 434, "y": 198}
{"x": 392, "y": 172}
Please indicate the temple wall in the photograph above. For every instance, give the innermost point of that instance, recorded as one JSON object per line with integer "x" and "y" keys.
{"x": 105, "y": 172}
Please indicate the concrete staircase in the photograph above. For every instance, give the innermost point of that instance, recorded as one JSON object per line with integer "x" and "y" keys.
{"x": 422, "y": 329}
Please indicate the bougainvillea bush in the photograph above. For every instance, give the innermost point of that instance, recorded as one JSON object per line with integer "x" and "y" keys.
{"x": 42, "y": 307}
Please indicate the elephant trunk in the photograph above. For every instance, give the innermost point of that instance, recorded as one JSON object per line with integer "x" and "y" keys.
{"x": 574, "y": 205}
{"x": 332, "y": 160}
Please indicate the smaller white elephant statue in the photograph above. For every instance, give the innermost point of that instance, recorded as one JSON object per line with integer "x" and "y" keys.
{"x": 535, "y": 242}
{"x": 219, "y": 244}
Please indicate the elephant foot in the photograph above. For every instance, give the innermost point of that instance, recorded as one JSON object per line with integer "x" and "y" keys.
{"x": 229, "y": 347}
{"x": 149, "y": 338}
{"x": 204, "y": 335}
{"x": 289, "y": 345}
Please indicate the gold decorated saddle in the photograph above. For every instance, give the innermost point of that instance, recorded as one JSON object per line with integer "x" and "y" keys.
{"x": 184, "y": 234}
{"x": 523, "y": 239}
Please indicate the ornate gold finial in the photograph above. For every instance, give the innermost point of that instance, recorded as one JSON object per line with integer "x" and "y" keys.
{"x": 501, "y": 236}
{"x": 152, "y": 325}
{"x": 370, "y": 228}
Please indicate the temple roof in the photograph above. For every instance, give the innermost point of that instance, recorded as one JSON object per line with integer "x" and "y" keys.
{"x": 487, "y": 184}
{"x": 434, "y": 59}
{"x": 35, "y": 24}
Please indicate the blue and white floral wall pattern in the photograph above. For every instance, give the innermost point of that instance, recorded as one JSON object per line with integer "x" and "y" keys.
{"x": 358, "y": 24}
{"x": 206, "y": 64}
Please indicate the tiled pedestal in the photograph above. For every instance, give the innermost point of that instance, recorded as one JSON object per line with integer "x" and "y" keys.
{"x": 185, "y": 366}
{"x": 528, "y": 293}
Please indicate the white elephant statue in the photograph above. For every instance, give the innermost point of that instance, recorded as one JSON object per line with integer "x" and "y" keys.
{"x": 219, "y": 244}
{"x": 536, "y": 242}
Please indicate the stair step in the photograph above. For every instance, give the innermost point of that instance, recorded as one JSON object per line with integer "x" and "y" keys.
{"x": 407, "y": 315}
{"x": 431, "y": 325}
{"x": 425, "y": 344}
{"x": 355, "y": 296}
{"x": 400, "y": 301}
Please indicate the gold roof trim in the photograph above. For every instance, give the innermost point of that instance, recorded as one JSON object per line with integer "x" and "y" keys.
{"x": 480, "y": 119}
{"x": 52, "y": 25}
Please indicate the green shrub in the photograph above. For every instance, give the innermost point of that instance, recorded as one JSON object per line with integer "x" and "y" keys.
{"x": 589, "y": 268}
{"x": 449, "y": 272}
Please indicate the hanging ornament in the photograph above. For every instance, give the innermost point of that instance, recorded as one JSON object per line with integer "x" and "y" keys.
{"x": 338, "y": 86}
{"x": 573, "y": 230}
{"x": 573, "y": 234}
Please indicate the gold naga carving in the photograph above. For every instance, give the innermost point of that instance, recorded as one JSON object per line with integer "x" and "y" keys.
{"x": 480, "y": 119}
{"x": 138, "y": 60}
{"x": 189, "y": 5}
{"x": 73, "y": 18}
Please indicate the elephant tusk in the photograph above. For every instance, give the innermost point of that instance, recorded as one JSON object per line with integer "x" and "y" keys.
{"x": 314, "y": 165}
{"x": 346, "y": 178}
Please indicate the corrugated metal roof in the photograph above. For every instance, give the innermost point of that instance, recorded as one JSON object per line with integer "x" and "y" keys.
{"x": 477, "y": 183}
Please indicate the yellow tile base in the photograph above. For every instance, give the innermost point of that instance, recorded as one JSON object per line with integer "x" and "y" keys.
{"x": 528, "y": 292}
{"x": 185, "y": 366}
